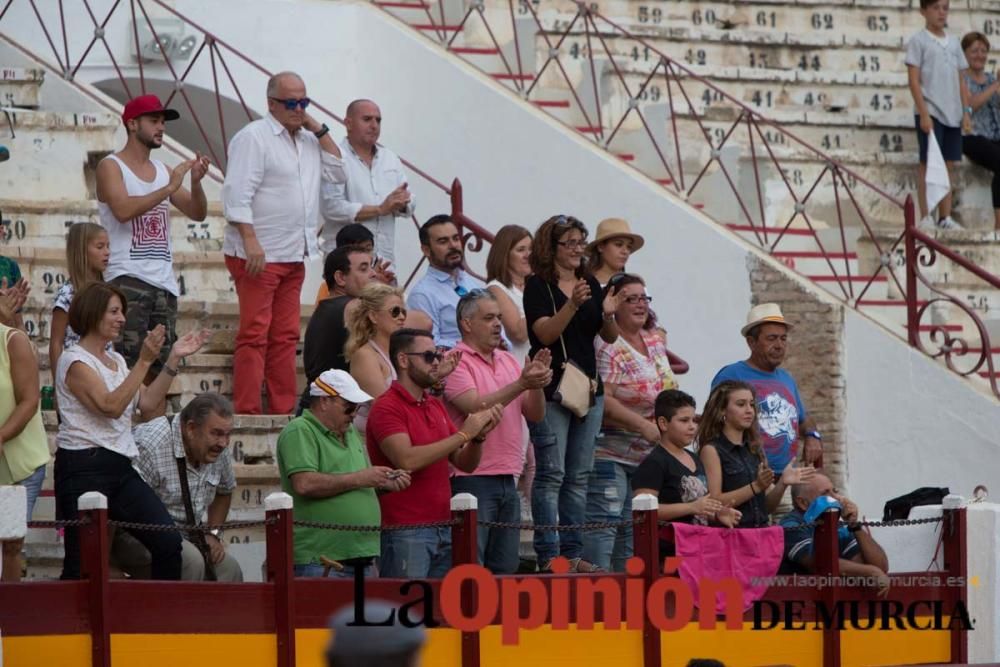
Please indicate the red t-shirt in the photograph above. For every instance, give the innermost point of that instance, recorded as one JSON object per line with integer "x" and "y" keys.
{"x": 426, "y": 421}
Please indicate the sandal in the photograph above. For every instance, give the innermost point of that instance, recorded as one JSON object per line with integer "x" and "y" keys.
{"x": 580, "y": 565}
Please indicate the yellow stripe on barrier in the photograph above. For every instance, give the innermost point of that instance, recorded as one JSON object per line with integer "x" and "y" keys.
{"x": 545, "y": 646}
{"x": 872, "y": 648}
{"x": 193, "y": 650}
{"x": 62, "y": 650}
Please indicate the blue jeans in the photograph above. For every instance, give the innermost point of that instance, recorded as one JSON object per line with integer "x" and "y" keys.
{"x": 416, "y": 553}
{"x": 498, "y": 501}
{"x": 129, "y": 499}
{"x": 609, "y": 498}
{"x": 564, "y": 455}
{"x": 316, "y": 570}
{"x": 33, "y": 487}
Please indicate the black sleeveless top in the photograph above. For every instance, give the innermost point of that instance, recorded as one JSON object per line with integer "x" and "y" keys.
{"x": 739, "y": 468}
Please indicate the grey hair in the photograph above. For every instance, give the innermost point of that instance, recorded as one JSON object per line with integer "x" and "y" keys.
{"x": 202, "y": 405}
{"x": 272, "y": 83}
{"x": 469, "y": 304}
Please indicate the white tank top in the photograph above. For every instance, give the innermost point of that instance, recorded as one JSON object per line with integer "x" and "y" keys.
{"x": 141, "y": 247}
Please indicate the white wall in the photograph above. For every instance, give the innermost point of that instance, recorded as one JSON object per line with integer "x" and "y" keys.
{"x": 911, "y": 422}
{"x": 905, "y": 415}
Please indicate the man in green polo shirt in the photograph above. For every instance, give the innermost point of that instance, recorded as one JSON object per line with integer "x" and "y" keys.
{"x": 324, "y": 467}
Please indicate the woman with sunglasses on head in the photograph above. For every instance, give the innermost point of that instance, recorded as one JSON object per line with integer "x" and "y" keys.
{"x": 635, "y": 369}
{"x": 566, "y": 311}
{"x": 379, "y": 312}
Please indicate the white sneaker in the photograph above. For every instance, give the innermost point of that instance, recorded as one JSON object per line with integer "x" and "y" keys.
{"x": 926, "y": 223}
{"x": 948, "y": 223}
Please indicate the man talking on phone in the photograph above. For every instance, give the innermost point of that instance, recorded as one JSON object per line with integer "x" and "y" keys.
{"x": 375, "y": 192}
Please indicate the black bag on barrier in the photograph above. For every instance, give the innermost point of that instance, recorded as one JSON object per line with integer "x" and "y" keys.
{"x": 899, "y": 508}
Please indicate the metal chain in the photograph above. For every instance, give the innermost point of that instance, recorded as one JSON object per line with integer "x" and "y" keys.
{"x": 546, "y": 527}
{"x": 372, "y": 529}
{"x": 901, "y": 522}
{"x": 58, "y": 523}
{"x": 187, "y": 528}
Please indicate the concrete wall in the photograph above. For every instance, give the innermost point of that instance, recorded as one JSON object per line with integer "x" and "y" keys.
{"x": 908, "y": 422}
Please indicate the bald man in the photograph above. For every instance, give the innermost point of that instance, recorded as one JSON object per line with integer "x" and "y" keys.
{"x": 375, "y": 192}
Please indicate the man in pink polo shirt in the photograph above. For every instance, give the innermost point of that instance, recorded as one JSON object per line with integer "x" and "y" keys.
{"x": 487, "y": 376}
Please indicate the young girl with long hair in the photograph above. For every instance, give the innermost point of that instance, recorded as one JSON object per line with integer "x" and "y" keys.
{"x": 87, "y": 255}
{"x": 729, "y": 447}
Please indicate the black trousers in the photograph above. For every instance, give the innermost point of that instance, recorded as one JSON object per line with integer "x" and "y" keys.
{"x": 129, "y": 499}
{"x": 986, "y": 153}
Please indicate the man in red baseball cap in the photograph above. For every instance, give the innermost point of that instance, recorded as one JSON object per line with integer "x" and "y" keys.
{"x": 134, "y": 194}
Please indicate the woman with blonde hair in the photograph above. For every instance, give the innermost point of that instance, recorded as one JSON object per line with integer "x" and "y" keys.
{"x": 735, "y": 465}
{"x": 87, "y": 253}
{"x": 378, "y": 312}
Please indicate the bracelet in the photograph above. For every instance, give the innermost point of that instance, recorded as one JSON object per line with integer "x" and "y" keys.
{"x": 465, "y": 436}
{"x": 752, "y": 490}
{"x": 320, "y": 133}
{"x": 172, "y": 372}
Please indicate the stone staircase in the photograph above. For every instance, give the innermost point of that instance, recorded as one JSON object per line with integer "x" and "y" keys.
{"x": 828, "y": 74}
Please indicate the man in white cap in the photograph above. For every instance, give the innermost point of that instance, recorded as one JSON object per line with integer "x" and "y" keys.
{"x": 373, "y": 644}
{"x": 784, "y": 422}
{"x": 323, "y": 466}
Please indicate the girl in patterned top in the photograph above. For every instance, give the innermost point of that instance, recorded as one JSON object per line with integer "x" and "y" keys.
{"x": 983, "y": 145}
{"x": 87, "y": 254}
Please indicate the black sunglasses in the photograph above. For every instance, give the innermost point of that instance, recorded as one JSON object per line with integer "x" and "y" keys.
{"x": 291, "y": 104}
{"x": 429, "y": 357}
{"x": 396, "y": 311}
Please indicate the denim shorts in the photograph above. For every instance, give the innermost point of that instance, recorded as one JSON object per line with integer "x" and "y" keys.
{"x": 33, "y": 487}
{"x": 948, "y": 138}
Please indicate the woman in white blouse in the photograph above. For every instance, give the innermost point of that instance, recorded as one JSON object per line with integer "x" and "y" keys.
{"x": 97, "y": 396}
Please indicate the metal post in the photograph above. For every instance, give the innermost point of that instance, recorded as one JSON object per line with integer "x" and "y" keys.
{"x": 92, "y": 507}
{"x": 465, "y": 551}
{"x": 910, "y": 244}
{"x": 953, "y": 526}
{"x": 646, "y": 546}
{"x": 278, "y": 506}
{"x": 826, "y": 554}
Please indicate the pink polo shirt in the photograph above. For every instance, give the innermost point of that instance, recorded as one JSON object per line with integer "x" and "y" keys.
{"x": 503, "y": 450}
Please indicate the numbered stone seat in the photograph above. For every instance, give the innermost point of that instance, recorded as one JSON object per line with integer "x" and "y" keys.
{"x": 19, "y": 87}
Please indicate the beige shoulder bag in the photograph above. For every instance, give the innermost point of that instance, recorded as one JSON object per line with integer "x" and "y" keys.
{"x": 576, "y": 390}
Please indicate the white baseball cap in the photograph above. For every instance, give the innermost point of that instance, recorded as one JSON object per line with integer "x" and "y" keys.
{"x": 338, "y": 383}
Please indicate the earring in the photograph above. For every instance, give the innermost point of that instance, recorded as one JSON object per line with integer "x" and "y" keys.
{"x": 723, "y": 419}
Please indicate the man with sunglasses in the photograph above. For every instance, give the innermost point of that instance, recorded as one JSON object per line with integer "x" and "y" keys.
{"x": 437, "y": 294}
{"x": 375, "y": 191}
{"x": 323, "y": 466}
{"x": 410, "y": 429}
{"x": 271, "y": 201}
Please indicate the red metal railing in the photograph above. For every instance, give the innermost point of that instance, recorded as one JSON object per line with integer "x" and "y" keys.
{"x": 214, "y": 54}
{"x": 724, "y": 156}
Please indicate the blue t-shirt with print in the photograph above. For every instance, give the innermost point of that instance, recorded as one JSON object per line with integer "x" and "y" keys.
{"x": 779, "y": 409}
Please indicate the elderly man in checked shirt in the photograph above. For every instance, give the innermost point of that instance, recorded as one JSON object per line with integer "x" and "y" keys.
{"x": 200, "y": 434}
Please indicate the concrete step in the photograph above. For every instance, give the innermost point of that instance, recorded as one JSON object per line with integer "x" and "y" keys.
{"x": 19, "y": 87}
{"x": 44, "y": 224}
{"x": 56, "y": 153}
{"x": 201, "y": 275}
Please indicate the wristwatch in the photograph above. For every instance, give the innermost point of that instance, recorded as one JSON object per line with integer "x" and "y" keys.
{"x": 968, "y": 110}
{"x": 814, "y": 434}
{"x": 216, "y": 533}
{"x": 322, "y": 131}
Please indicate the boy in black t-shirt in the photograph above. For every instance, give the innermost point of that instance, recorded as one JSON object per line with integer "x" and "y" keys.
{"x": 675, "y": 475}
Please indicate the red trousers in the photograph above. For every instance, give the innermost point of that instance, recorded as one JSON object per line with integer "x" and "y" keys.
{"x": 267, "y": 337}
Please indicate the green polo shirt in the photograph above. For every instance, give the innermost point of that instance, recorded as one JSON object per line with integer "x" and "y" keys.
{"x": 305, "y": 445}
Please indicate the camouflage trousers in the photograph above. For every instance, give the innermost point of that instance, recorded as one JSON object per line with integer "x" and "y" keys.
{"x": 148, "y": 306}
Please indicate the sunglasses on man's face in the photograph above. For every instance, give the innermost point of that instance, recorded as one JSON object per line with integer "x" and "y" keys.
{"x": 429, "y": 357}
{"x": 291, "y": 104}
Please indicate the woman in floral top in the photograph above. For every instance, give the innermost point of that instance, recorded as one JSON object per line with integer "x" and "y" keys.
{"x": 635, "y": 369}
{"x": 983, "y": 145}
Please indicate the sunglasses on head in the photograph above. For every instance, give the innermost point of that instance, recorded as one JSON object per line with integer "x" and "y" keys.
{"x": 291, "y": 104}
{"x": 429, "y": 357}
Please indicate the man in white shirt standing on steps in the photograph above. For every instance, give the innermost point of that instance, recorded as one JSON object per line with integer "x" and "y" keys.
{"x": 375, "y": 191}
{"x": 271, "y": 200}
{"x": 134, "y": 193}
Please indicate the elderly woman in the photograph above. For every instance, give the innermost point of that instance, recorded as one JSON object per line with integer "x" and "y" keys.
{"x": 24, "y": 449}
{"x": 379, "y": 312}
{"x": 566, "y": 310}
{"x": 97, "y": 396}
{"x": 983, "y": 145}
{"x": 635, "y": 369}
{"x": 609, "y": 251}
